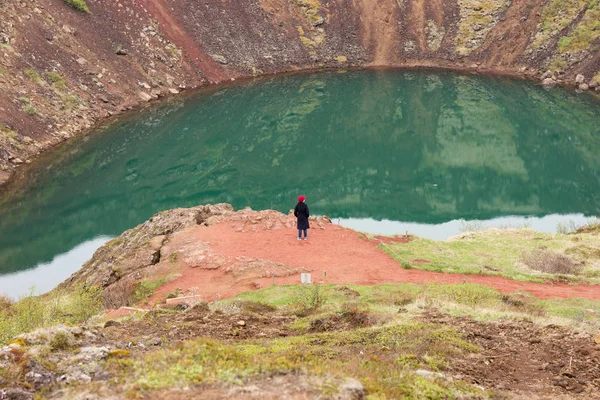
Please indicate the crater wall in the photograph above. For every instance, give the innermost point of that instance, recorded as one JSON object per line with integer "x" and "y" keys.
{"x": 63, "y": 71}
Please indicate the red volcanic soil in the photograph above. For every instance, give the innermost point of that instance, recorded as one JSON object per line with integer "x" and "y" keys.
{"x": 346, "y": 256}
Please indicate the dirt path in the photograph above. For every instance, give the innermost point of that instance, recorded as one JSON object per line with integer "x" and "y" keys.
{"x": 239, "y": 256}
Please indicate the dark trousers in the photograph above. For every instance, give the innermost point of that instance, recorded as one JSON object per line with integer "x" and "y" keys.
{"x": 300, "y": 233}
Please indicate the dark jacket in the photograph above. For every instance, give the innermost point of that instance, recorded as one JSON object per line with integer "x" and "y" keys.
{"x": 301, "y": 212}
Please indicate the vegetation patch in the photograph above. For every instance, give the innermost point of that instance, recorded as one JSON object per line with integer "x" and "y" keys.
{"x": 499, "y": 252}
{"x": 556, "y": 16}
{"x": 56, "y": 80}
{"x": 314, "y": 35}
{"x": 30, "y": 110}
{"x": 388, "y": 302}
{"x": 477, "y": 18}
{"x": 7, "y": 133}
{"x": 369, "y": 355}
{"x": 70, "y": 101}
{"x": 32, "y": 74}
{"x": 310, "y": 299}
{"x": 79, "y": 5}
{"x": 596, "y": 80}
{"x": 144, "y": 289}
{"x": 550, "y": 262}
{"x": 60, "y": 341}
{"x": 58, "y": 307}
{"x": 397, "y": 340}
{"x": 585, "y": 32}
{"x": 310, "y": 9}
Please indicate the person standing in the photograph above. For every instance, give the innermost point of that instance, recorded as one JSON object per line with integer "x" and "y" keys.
{"x": 301, "y": 213}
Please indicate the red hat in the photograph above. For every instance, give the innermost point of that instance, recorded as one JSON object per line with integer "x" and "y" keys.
{"x": 301, "y": 198}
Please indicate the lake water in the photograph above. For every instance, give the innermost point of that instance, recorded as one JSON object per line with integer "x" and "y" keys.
{"x": 380, "y": 151}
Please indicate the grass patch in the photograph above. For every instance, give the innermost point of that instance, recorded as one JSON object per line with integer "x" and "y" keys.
{"x": 310, "y": 299}
{"x": 557, "y": 64}
{"x": 586, "y": 31}
{"x": 556, "y": 16}
{"x": 32, "y": 74}
{"x": 30, "y": 110}
{"x": 383, "y": 358}
{"x": 71, "y": 101}
{"x": 494, "y": 252}
{"x": 57, "y": 307}
{"x": 60, "y": 341}
{"x": 385, "y": 303}
{"x": 79, "y": 5}
{"x": 56, "y": 80}
{"x": 7, "y": 133}
{"x": 370, "y": 355}
{"x": 143, "y": 290}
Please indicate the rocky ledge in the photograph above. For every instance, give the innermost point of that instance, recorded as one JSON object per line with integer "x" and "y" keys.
{"x": 168, "y": 243}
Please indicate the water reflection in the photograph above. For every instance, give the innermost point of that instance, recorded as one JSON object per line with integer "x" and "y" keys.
{"x": 419, "y": 147}
{"x": 443, "y": 231}
{"x": 46, "y": 276}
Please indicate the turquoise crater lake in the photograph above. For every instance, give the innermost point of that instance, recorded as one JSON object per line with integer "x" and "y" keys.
{"x": 383, "y": 151}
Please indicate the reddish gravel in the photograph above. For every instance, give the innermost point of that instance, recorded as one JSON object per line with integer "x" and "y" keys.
{"x": 342, "y": 253}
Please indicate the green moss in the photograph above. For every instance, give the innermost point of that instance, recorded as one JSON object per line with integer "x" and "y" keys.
{"x": 79, "y": 5}
{"x": 24, "y": 100}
